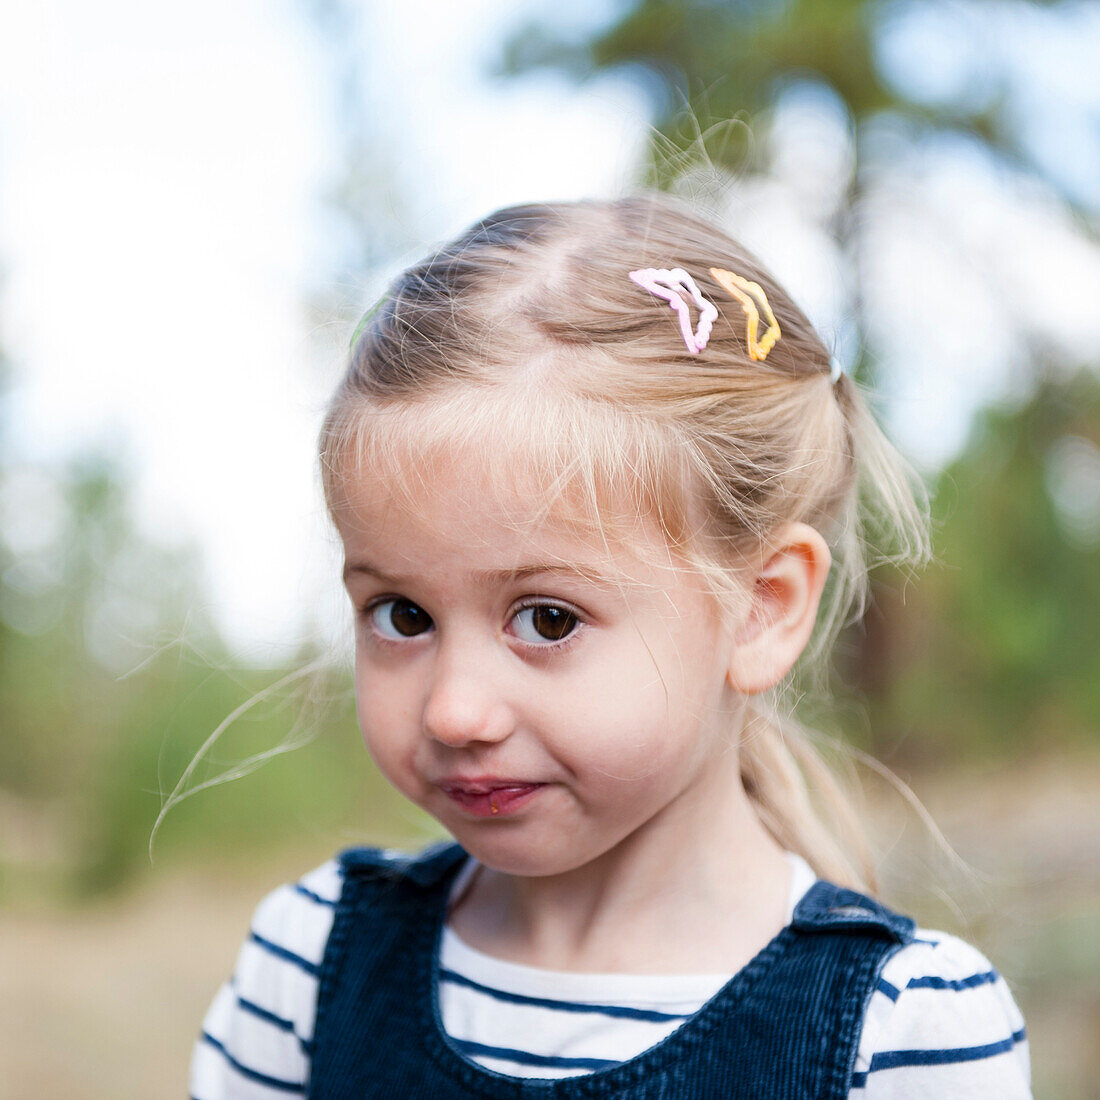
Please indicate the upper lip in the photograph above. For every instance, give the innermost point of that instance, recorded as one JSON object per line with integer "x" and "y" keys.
{"x": 482, "y": 784}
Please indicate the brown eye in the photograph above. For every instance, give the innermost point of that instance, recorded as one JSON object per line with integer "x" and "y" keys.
{"x": 545, "y": 622}
{"x": 399, "y": 619}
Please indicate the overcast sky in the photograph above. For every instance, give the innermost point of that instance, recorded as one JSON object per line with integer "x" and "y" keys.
{"x": 161, "y": 174}
{"x": 162, "y": 230}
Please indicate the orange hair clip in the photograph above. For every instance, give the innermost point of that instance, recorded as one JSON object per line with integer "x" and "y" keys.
{"x": 749, "y": 294}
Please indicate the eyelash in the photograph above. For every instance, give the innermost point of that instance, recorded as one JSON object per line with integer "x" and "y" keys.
{"x": 542, "y": 647}
{"x": 368, "y": 610}
{"x": 367, "y": 615}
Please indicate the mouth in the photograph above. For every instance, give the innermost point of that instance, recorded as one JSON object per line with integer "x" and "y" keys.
{"x": 489, "y": 797}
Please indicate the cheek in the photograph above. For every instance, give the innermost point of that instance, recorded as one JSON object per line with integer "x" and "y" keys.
{"x": 385, "y": 714}
{"x": 647, "y": 727}
{"x": 626, "y": 730}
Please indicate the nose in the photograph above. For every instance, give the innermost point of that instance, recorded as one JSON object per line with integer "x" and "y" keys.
{"x": 466, "y": 701}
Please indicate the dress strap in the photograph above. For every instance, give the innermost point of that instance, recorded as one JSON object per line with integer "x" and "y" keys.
{"x": 785, "y": 1027}
{"x": 426, "y": 868}
{"x": 829, "y": 908}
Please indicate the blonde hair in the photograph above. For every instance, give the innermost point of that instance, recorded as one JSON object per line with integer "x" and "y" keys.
{"x": 524, "y": 342}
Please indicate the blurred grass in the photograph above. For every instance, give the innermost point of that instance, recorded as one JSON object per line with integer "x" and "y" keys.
{"x": 1029, "y": 896}
{"x": 121, "y": 980}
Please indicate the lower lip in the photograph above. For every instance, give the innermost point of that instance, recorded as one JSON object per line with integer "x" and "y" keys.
{"x": 496, "y": 803}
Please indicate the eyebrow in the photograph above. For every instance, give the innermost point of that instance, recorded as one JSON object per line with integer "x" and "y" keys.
{"x": 490, "y": 577}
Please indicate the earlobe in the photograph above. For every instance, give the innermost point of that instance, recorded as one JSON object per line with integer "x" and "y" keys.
{"x": 786, "y": 591}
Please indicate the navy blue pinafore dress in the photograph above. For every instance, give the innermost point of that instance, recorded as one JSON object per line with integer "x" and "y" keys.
{"x": 786, "y": 1027}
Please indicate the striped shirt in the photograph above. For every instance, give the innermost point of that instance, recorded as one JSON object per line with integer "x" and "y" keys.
{"x": 941, "y": 1022}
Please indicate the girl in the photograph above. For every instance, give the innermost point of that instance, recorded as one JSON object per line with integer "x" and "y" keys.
{"x": 590, "y": 467}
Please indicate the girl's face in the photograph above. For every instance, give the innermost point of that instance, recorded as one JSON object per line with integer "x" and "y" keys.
{"x": 544, "y": 697}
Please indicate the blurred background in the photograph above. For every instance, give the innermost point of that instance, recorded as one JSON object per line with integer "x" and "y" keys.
{"x": 197, "y": 202}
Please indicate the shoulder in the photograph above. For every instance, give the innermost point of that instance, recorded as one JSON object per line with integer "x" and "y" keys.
{"x": 258, "y": 1032}
{"x": 941, "y": 1022}
{"x": 257, "y": 1037}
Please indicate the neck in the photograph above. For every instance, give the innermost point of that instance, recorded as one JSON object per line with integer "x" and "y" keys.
{"x": 698, "y": 889}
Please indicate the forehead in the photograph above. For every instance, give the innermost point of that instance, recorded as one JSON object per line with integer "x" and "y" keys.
{"x": 474, "y": 515}
{"x": 524, "y": 458}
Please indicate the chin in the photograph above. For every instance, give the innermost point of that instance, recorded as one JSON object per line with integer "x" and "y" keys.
{"x": 515, "y": 854}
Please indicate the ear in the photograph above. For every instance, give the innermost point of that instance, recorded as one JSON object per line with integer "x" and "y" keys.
{"x": 785, "y": 593}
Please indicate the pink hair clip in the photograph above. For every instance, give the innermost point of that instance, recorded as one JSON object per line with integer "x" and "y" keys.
{"x": 672, "y": 285}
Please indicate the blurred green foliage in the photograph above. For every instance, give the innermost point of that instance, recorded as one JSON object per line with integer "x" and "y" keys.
{"x": 709, "y": 63}
{"x": 112, "y": 681}
{"x": 112, "y": 678}
{"x": 990, "y": 654}
{"x": 995, "y": 650}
